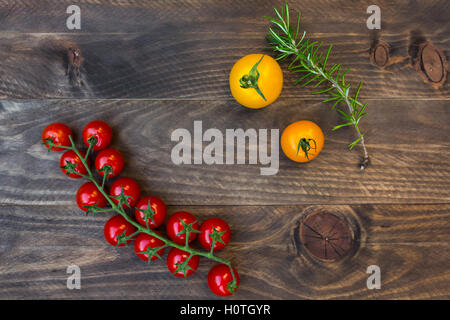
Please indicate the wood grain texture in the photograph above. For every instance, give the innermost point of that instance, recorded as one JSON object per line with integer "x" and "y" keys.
{"x": 410, "y": 243}
{"x": 186, "y": 51}
{"x": 408, "y": 143}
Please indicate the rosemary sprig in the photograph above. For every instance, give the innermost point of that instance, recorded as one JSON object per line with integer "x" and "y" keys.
{"x": 313, "y": 66}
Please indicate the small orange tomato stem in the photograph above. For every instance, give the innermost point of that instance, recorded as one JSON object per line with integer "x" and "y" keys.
{"x": 305, "y": 146}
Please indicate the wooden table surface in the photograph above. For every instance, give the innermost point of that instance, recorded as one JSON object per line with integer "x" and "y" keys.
{"x": 153, "y": 66}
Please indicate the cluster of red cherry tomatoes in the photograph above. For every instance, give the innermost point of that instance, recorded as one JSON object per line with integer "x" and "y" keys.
{"x": 110, "y": 162}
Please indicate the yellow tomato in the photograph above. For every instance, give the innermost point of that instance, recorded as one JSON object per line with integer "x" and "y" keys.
{"x": 302, "y": 141}
{"x": 256, "y": 80}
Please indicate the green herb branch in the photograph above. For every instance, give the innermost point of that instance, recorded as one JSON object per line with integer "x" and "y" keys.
{"x": 312, "y": 64}
{"x": 148, "y": 213}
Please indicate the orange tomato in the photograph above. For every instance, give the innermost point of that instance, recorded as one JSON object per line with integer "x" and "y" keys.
{"x": 302, "y": 141}
{"x": 256, "y": 80}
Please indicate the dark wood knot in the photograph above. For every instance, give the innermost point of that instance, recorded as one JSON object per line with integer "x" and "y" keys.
{"x": 431, "y": 64}
{"x": 380, "y": 54}
{"x": 326, "y": 236}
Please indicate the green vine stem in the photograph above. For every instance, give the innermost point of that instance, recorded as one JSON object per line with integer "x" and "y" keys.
{"x": 119, "y": 209}
{"x": 287, "y": 42}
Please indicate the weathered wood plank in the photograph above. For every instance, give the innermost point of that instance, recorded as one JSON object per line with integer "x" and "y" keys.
{"x": 410, "y": 243}
{"x": 126, "y": 16}
{"x": 408, "y": 142}
{"x": 186, "y": 51}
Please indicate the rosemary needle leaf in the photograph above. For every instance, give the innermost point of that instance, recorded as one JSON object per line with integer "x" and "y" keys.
{"x": 363, "y": 108}
{"x": 282, "y": 56}
{"x": 298, "y": 25}
{"x": 323, "y": 91}
{"x": 324, "y": 63}
{"x": 357, "y": 91}
{"x": 279, "y": 15}
{"x": 342, "y": 125}
{"x": 335, "y": 104}
{"x": 286, "y": 12}
{"x": 292, "y": 64}
{"x": 309, "y": 81}
{"x": 330, "y": 99}
{"x": 275, "y": 35}
{"x": 343, "y": 114}
{"x": 303, "y": 78}
{"x": 343, "y": 75}
{"x": 316, "y": 49}
{"x": 280, "y": 26}
{"x": 319, "y": 83}
{"x": 347, "y": 91}
{"x": 331, "y": 70}
{"x": 337, "y": 70}
{"x": 302, "y": 38}
{"x": 352, "y": 145}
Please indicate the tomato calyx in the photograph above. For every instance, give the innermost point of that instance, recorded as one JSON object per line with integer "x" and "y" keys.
{"x": 70, "y": 167}
{"x": 216, "y": 236}
{"x": 92, "y": 142}
{"x": 122, "y": 198}
{"x": 95, "y": 209}
{"x": 232, "y": 286}
{"x": 148, "y": 213}
{"x": 184, "y": 266}
{"x": 50, "y": 142}
{"x": 250, "y": 80}
{"x": 150, "y": 252}
{"x": 106, "y": 169}
{"x": 187, "y": 229}
{"x": 305, "y": 146}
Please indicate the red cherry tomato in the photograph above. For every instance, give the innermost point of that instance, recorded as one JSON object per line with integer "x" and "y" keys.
{"x": 109, "y": 157}
{"x": 59, "y": 133}
{"x": 130, "y": 188}
{"x": 89, "y": 195}
{"x": 179, "y": 256}
{"x": 115, "y": 226}
{"x": 101, "y": 130}
{"x": 174, "y": 226}
{"x": 206, "y": 231}
{"x": 143, "y": 241}
{"x": 158, "y": 207}
{"x": 71, "y": 157}
{"x": 218, "y": 279}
